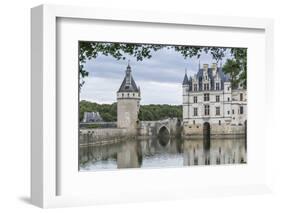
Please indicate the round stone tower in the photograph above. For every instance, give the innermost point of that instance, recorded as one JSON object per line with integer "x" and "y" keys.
{"x": 128, "y": 103}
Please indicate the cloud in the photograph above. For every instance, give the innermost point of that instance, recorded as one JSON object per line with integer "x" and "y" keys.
{"x": 159, "y": 77}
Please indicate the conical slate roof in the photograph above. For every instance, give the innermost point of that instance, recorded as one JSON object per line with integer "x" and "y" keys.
{"x": 185, "y": 80}
{"x": 128, "y": 84}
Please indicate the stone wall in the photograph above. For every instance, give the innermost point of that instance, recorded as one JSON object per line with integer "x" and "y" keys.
{"x": 127, "y": 113}
{"x": 106, "y": 135}
{"x": 216, "y": 131}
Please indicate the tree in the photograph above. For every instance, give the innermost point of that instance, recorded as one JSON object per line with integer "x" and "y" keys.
{"x": 91, "y": 50}
{"x": 233, "y": 69}
{"x": 237, "y": 67}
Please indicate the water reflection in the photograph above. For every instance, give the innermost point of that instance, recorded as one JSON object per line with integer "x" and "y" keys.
{"x": 162, "y": 152}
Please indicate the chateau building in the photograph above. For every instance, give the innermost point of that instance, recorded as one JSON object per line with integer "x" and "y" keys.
{"x": 208, "y": 98}
{"x": 128, "y": 103}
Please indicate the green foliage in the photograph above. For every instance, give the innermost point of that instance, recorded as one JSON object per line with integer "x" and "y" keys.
{"x": 237, "y": 67}
{"x": 147, "y": 112}
{"x": 158, "y": 112}
{"x": 107, "y": 111}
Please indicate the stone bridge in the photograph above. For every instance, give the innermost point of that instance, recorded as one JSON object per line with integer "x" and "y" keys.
{"x": 171, "y": 126}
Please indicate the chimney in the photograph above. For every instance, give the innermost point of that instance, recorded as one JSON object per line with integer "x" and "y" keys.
{"x": 205, "y": 68}
{"x": 214, "y": 68}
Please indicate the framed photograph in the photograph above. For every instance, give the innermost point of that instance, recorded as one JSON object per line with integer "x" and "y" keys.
{"x": 130, "y": 106}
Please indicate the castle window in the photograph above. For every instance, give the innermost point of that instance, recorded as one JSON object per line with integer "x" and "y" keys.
{"x": 122, "y": 94}
{"x": 133, "y": 94}
{"x": 194, "y": 122}
{"x": 241, "y": 96}
{"x": 241, "y": 110}
{"x": 207, "y": 109}
{"x": 217, "y": 98}
{"x": 195, "y": 112}
{"x": 217, "y": 86}
{"x": 233, "y": 111}
{"x": 206, "y": 97}
{"x": 228, "y": 99}
{"x": 228, "y": 112}
{"x": 195, "y": 99}
{"x": 206, "y": 86}
{"x": 217, "y": 110}
{"x": 128, "y": 94}
{"x": 195, "y": 87}
{"x": 219, "y": 122}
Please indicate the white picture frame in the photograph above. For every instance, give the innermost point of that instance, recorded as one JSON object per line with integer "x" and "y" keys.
{"x": 44, "y": 148}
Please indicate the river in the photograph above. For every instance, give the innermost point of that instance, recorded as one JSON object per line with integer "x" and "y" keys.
{"x": 158, "y": 153}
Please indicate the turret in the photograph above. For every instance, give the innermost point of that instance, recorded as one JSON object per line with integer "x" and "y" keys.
{"x": 128, "y": 102}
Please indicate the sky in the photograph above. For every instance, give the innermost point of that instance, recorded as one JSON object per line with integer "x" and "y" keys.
{"x": 160, "y": 77}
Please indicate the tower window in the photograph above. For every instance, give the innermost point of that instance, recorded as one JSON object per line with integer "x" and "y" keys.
{"x": 228, "y": 99}
{"x": 122, "y": 94}
{"x": 194, "y": 122}
{"x": 241, "y": 96}
{"x": 207, "y": 109}
{"x": 195, "y": 99}
{"x": 233, "y": 111}
{"x": 219, "y": 122}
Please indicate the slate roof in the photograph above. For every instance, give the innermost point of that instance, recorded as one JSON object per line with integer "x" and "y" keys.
{"x": 131, "y": 87}
{"x": 185, "y": 80}
{"x": 224, "y": 78}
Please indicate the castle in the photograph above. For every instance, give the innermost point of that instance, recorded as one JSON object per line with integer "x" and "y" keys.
{"x": 210, "y": 101}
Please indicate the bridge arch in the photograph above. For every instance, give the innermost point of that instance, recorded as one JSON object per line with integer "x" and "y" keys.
{"x": 163, "y": 135}
{"x": 163, "y": 129}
